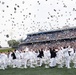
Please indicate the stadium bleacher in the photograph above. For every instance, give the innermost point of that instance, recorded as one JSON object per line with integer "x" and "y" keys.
{"x": 54, "y": 38}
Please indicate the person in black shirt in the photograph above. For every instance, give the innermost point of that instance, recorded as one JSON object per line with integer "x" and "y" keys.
{"x": 53, "y": 59}
{"x": 53, "y": 53}
{"x": 13, "y": 55}
{"x": 41, "y": 54}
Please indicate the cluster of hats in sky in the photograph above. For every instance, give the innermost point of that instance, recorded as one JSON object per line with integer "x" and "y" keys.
{"x": 20, "y": 17}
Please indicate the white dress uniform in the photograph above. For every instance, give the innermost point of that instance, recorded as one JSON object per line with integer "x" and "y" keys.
{"x": 32, "y": 58}
{"x": 71, "y": 53}
{"x": 26, "y": 58}
{"x": 74, "y": 60}
{"x": 46, "y": 58}
{"x": 3, "y": 61}
{"x": 10, "y": 59}
{"x": 18, "y": 59}
{"x": 66, "y": 57}
{"x": 59, "y": 59}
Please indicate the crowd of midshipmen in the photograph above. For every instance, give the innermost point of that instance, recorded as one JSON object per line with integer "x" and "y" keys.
{"x": 49, "y": 57}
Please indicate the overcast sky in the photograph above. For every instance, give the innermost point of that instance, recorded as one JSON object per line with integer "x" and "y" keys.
{"x": 20, "y": 17}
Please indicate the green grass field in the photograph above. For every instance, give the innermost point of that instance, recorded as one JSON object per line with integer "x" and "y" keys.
{"x": 38, "y": 71}
{"x": 6, "y": 49}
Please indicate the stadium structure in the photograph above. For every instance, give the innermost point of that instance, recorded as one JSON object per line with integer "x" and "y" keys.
{"x": 54, "y": 38}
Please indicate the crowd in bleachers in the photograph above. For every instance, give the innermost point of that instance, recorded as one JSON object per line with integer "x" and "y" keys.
{"x": 50, "y": 44}
{"x": 52, "y": 36}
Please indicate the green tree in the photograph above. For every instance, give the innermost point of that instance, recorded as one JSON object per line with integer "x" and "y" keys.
{"x": 13, "y": 43}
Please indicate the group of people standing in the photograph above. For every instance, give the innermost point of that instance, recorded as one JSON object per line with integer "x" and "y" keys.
{"x": 49, "y": 57}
